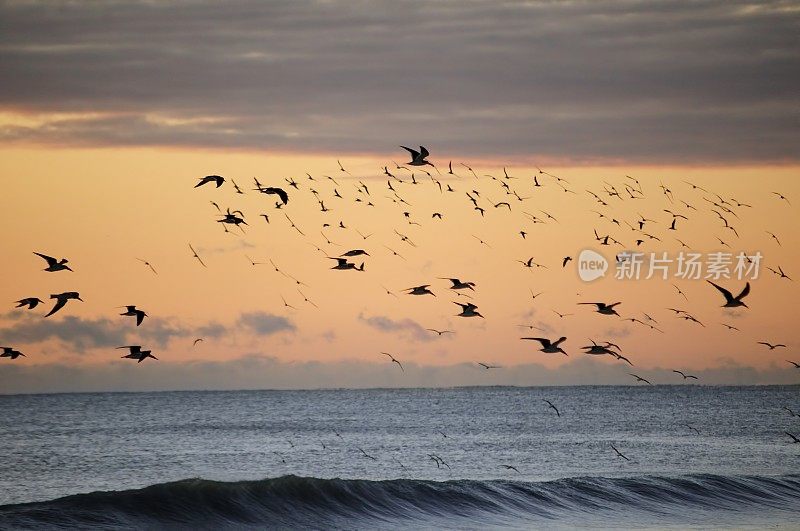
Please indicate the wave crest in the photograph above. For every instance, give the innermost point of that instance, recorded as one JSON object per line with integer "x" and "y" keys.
{"x": 292, "y": 501}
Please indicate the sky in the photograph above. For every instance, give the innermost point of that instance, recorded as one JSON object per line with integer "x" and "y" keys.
{"x": 110, "y": 114}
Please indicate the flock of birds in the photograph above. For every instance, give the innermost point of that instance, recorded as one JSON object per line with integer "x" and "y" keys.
{"x": 474, "y": 192}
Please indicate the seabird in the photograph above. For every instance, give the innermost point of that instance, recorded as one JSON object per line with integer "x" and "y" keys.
{"x": 211, "y": 179}
{"x": 730, "y": 300}
{"x": 54, "y": 264}
{"x": 457, "y": 284}
{"x": 640, "y": 379}
{"x": 420, "y": 290}
{"x": 468, "y": 310}
{"x": 605, "y": 309}
{"x": 552, "y": 406}
{"x": 133, "y": 312}
{"x": 770, "y": 345}
{"x": 30, "y": 302}
{"x": 619, "y": 453}
{"x": 10, "y": 352}
{"x": 418, "y": 157}
{"x": 394, "y": 360}
{"x": 548, "y": 346}
{"x": 685, "y": 376}
{"x": 61, "y": 300}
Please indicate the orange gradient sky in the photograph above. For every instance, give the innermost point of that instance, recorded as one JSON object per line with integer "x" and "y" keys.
{"x": 103, "y": 208}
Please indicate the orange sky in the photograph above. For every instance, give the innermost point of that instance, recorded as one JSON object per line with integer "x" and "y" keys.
{"x": 103, "y": 208}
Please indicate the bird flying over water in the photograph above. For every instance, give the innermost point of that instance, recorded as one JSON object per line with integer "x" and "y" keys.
{"x": 552, "y": 406}
{"x": 394, "y": 360}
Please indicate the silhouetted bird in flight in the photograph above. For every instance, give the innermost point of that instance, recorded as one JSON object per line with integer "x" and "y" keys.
{"x": 418, "y": 157}
{"x": 61, "y": 300}
{"x": 211, "y": 179}
{"x": 9, "y": 352}
{"x": 730, "y": 300}
{"x": 30, "y": 302}
{"x": 133, "y": 312}
{"x": 54, "y": 264}
{"x": 548, "y": 346}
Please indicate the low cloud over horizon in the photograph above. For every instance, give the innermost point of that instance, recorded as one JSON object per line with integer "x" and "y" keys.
{"x": 257, "y": 372}
{"x": 647, "y": 82}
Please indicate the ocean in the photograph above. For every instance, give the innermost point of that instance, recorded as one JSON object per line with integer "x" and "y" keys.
{"x": 697, "y": 457}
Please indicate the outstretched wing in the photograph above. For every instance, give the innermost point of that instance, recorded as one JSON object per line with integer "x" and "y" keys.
{"x": 60, "y": 303}
{"x": 726, "y": 293}
{"x": 423, "y": 152}
{"x": 543, "y": 340}
{"x": 414, "y": 153}
{"x": 50, "y": 260}
{"x": 744, "y": 293}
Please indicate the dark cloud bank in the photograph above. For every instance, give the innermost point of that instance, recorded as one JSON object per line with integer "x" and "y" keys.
{"x": 658, "y": 81}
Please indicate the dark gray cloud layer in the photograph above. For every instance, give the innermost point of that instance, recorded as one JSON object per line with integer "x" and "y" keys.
{"x": 261, "y": 372}
{"x": 80, "y": 334}
{"x": 655, "y": 81}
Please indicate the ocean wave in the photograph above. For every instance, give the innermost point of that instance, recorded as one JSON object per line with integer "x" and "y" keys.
{"x": 292, "y": 501}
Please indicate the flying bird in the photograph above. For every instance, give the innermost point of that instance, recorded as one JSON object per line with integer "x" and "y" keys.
{"x": 685, "y": 376}
{"x": 211, "y": 179}
{"x": 550, "y": 347}
{"x": 418, "y": 157}
{"x": 133, "y": 312}
{"x": 603, "y": 308}
{"x": 468, "y": 310}
{"x": 30, "y": 302}
{"x": 640, "y": 379}
{"x": 619, "y": 453}
{"x": 195, "y": 255}
{"x": 770, "y": 345}
{"x": 10, "y": 352}
{"x": 61, "y": 300}
{"x": 54, "y": 264}
{"x": 730, "y": 300}
{"x": 394, "y": 360}
{"x": 552, "y": 406}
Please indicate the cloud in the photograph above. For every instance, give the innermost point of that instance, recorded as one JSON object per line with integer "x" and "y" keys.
{"x": 264, "y": 324}
{"x": 387, "y": 324}
{"x": 265, "y": 372}
{"x": 661, "y": 81}
{"x": 80, "y": 334}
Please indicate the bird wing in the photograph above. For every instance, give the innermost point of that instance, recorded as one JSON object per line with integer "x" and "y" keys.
{"x": 543, "y": 340}
{"x": 60, "y": 302}
{"x": 139, "y": 317}
{"x": 50, "y": 260}
{"x": 282, "y": 194}
{"x": 423, "y": 152}
{"x": 744, "y": 292}
{"x": 726, "y": 293}
{"x": 560, "y": 340}
{"x": 414, "y": 153}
